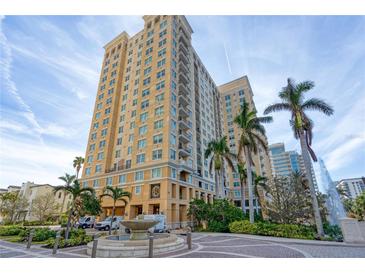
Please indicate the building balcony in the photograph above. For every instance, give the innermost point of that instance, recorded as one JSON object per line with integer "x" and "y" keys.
{"x": 183, "y": 79}
{"x": 184, "y": 151}
{"x": 183, "y": 49}
{"x": 183, "y": 111}
{"x": 183, "y": 68}
{"x": 184, "y": 124}
{"x": 184, "y": 100}
{"x": 183, "y": 58}
{"x": 183, "y": 90}
{"x": 184, "y": 137}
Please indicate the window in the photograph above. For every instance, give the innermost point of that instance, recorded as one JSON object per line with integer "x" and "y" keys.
{"x": 97, "y": 115}
{"x": 105, "y": 121}
{"x": 109, "y": 181}
{"x": 173, "y": 173}
{"x": 104, "y": 132}
{"x": 96, "y": 125}
{"x": 141, "y": 144}
{"x": 110, "y": 91}
{"x": 129, "y": 150}
{"x": 145, "y": 92}
{"x": 109, "y": 100}
{"x": 100, "y": 156}
{"x": 122, "y": 179}
{"x": 148, "y": 60}
{"x": 159, "y": 111}
{"x": 162, "y": 52}
{"x": 157, "y": 154}
{"x": 147, "y": 81}
{"x": 149, "y": 50}
{"x": 97, "y": 168}
{"x": 131, "y": 138}
{"x": 160, "y": 85}
{"x": 161, "y": 63}
{"x": 84, "y": 184}
{"x": 141, "y": 158}
{"x": 162, "y": 42}
{"x": 102, "y": 144}
{"x": 139, "y": 176}
{"x": 172, "y": 139}
{"x": 142, "y": 130}
{"x": 145, "y": 104}
{"x": 172, "y": 154}
{"x": 147, "y": 71}
{"x": 137, "y": 190}
{"x": 128, "y": 164}
{"x": 156, "y": 173}
{"x": 107, "y": 111}
{"x": 90, "y": 159}
{"x": 160, "y": 74}
{"x": 88, "y": 171}
{"x": 157, "y": 139}
{"x": 93, "y": 136}
{"x": 143, "y": 117}
{"x": 159, "y": 98}
{"x": 117, "y": 153}
{"x": 96, "y": 183}
{"x": 158, "y": 124}
{"x": 119, "y": 141}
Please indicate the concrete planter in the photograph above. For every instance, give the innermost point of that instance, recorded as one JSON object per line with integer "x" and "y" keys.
{"x": 353, "y": 231}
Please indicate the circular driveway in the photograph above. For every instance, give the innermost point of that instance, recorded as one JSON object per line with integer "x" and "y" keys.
{"x": 219, "y": 245}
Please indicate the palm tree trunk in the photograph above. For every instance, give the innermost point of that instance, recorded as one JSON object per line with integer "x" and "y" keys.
{"x": 221, "y": 178}
{"x": 69, "y": 222}
{"x": 243, "y": 200}
{"x": 249, "y": 182}
{"x": 308, "y": 175}
{"x": 111, "y": 221}
{"x": 217, "y": 177}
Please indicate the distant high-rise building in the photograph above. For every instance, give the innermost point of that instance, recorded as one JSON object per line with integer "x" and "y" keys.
{"x": 233, "y": 94}
{"x": 285, "y": 163}
{"x": 352, "y": 186}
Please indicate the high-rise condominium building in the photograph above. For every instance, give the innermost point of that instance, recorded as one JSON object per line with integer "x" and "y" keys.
{"x": 233, "y": 94}
{"x": 285, "y": 163}
{"x": 156, "y": 109}
{"x": 353, "y": 187}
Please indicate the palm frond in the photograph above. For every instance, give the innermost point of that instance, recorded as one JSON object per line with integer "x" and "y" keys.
{"x": 317, "y": 104}
{"x": 277, "y": 107}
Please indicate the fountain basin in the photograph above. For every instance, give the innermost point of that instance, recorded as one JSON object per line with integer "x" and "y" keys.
{"x": 139, "y": 228}
{"x": 112, "y": 247}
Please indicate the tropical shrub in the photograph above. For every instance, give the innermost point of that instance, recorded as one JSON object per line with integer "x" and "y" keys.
{"x": 333, "y": 232}
{"x": 10, "y": 230}
{"x": 272, "y": 229}
{"x": 76, "y": 237}
{"x": 217, "y": 215}
{"x": 40, "y": 234}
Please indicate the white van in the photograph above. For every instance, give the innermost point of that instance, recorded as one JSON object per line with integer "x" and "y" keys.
{"x": 161, "y": 226}
{"x": 105, "y": 225}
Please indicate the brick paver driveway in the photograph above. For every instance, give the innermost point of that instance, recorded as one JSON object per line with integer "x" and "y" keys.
{"x": 215, "y": 245}
{"x": 219, "y": 245}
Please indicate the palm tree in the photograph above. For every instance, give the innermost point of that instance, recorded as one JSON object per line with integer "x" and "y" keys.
{"x": 78, "y": 162}
{"x": 259, "y": 182}
{"x": 252, "y": 132}
{"x": 75, "y": 190}
{"x": 219, "y": 152}
{"x": 117, "y": 194}
{"x": 243, "y": 177}
{"x": 292, "y": 97}
{"x": 68, "y": 179}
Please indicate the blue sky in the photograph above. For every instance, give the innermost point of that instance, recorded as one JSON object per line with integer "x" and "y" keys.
{"x": 50, "y": 69}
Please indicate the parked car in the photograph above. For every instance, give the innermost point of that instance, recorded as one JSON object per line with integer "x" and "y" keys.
{"x": 86, "y": 222}
{"x": 105, "y": 225}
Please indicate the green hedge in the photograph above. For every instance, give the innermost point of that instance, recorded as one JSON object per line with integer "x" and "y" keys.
{"x": 40, "y": 234}
{"x": 275, "y": 230}
{"x": 77, "y": 237}
{"x": 11, "y": 230}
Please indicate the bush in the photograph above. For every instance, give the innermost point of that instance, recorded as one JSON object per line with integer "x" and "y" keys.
{"x": 38, "y": 223}
{"x": 10, "y": 230}
{"x": 40, "y": 234}
{"x": 272, "y": 229}
{"x": 333, "y": 232}
{"x": 77, "y": 237}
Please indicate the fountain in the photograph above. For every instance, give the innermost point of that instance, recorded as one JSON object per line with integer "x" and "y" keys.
{"x": 136, "y": 244}
{"x": 334, "y": 204}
